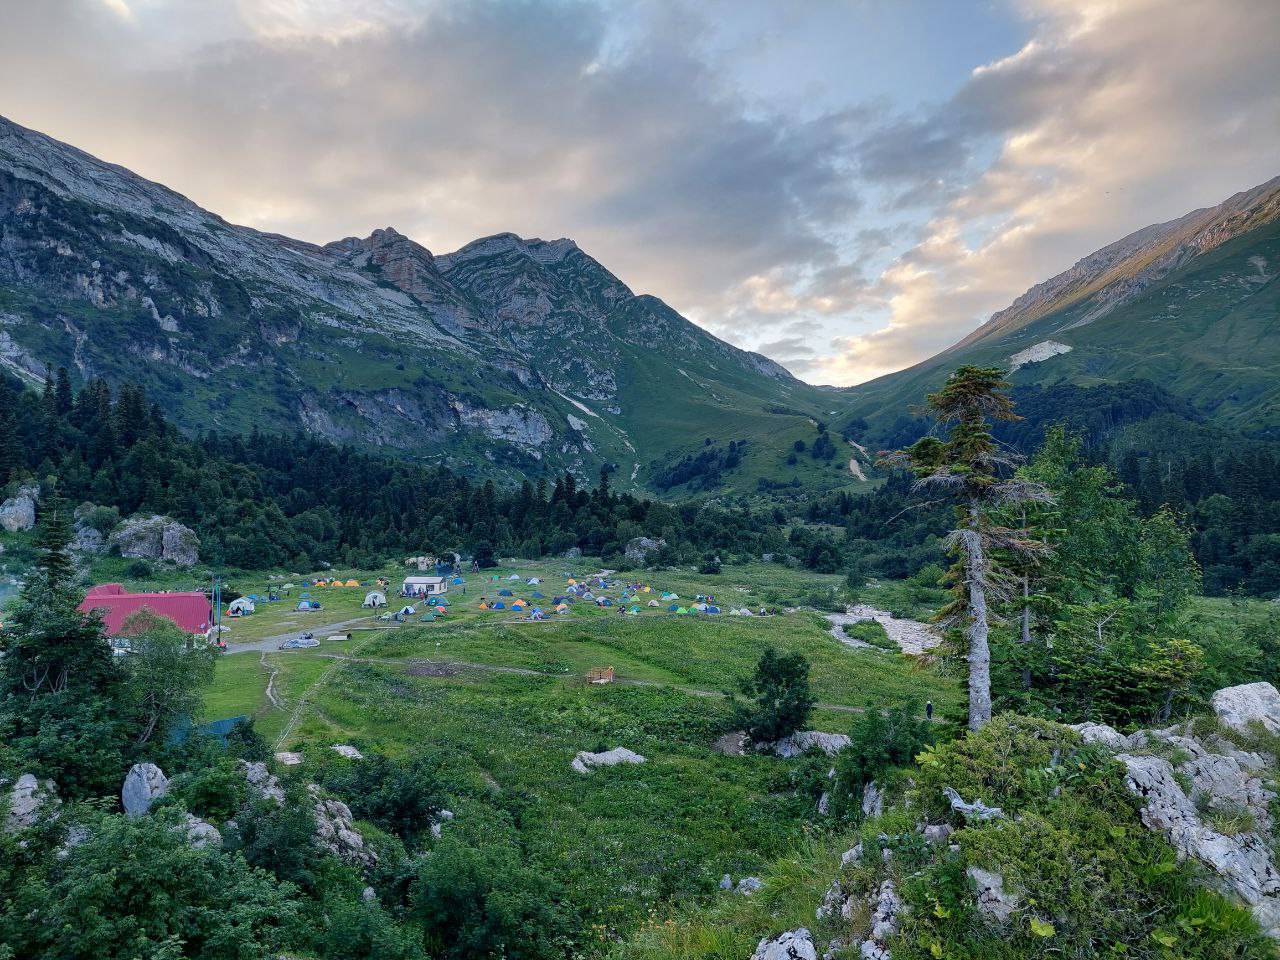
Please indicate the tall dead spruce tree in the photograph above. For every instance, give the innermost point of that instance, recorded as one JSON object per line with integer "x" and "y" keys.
{"x": 969, "y": 467}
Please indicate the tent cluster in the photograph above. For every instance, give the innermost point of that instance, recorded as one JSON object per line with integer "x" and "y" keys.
{"x": 335, "y": 582}
{"x": 629, "y": 598}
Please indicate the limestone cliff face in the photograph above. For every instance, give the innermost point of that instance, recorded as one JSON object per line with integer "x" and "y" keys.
{"x": 485, "y": 353}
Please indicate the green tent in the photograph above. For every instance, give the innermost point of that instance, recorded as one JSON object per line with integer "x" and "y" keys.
{"x": 682, "y": 609}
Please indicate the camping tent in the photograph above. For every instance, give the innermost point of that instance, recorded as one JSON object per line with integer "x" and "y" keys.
{"x": 536, "y": 595}
{"x": 517, "y": 604}
{"x": 674, "y": 608}
{"x": 499, "y": 606}
{"x": 514, "y": 576}
{"x": 682, "y": 609}
{"x": 407, "y": 610}
{"x": 712, "y": 609}
{"x": 428, "y": 617}
{"x": 562, "y": 608}
{"x": 440, "y": 601}
{"x": 532, "y": 580}
{"x": 653, "y": 603}
{"x": 308, "y": 605}
{"x": 634, "y": 610}
{"x": 353, "y": 583}
{"x": 240, "y": 607}
{"x": 374, "y": 599}
{"x": 458, "y": 580}
{"x": 504, "y": 592}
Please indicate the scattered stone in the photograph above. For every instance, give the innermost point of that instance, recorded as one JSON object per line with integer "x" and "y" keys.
{"x": 27, "y": 798}
{"x": 76, "y": 835}
{"x": 437, "y": 824}
{"x": 288, "y": 759}
{"x": 726, "y": 882}
{"x": 200, "y": 833}
{"x": 368, "y": 895}
{"x": 835, "y": 902}
{"x": 836, "y": 945}
{"x": 971, "y": 811}
{"x": 263, "y": 781}
{"x": 851, "y": 857}
{"x": 792, "y": 945}
{"x": 872, "y": 800}
{"x": 937, "y": 832}
{"x": 824, "y": 804}
{"x": 144, "y": 784}
{"x": 911, "y": 636}
{"x": 585, "y": 759}
{"x": 343, "y": 750}
{"x": 749, "y": 885}
{"x": 1239, "y": 708}
{"x": 732, "y": 744}
{"x": 870, "y": 950}
{"x": 993, "y": 902}
{"x": 800, "y": 742}
{"x": 887, "y": 912}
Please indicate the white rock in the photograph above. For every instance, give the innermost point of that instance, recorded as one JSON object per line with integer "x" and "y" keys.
{"x": 1251, "y": 703}
{"x": 870, "y": 950}
{"x": 288, "y": 758}
{"x": 351, "y": 753}
{"x": 585, "y": 760}
{"x": 18, "y": 513}
{"x": 887, "y": 912}
{"x": 852, "y": 856}
{"x": 336, "y": 832}
{"x": 144, "y": 784}
{"x": 1107, "y": 736}
{"x": 200, "y": 833}
{"x": 798, "y": 743}
{"x": 792, "y": 945}
{"x": 27, "y": 798}
{"x": 726, "y": 882}
{"x": 993, "y": 902}
{"x": 872, "y": 800}
{"x": 263, "y": 781}
{"x": 749, "y": 885}
{"x": 437, "y": 825}
{"x": 824, "y": 804}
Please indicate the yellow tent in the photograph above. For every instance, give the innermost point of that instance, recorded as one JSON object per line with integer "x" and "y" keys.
{"x": 648, "y": 590}
{"x": 517, "y": 605}
{"x": 573, "y": 582}
{"x": 484, "y": 606}
{"x": 353, "y": 583}
{"x": 562, "y": 608}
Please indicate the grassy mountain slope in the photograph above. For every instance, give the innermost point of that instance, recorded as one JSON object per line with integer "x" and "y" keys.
{"x": 1192, "y": 305}
{"x": 507, "y": 358}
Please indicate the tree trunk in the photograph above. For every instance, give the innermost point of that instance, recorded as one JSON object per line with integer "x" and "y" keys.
{"x": 1026, "y": 630}
{"x": 979, "y": 628}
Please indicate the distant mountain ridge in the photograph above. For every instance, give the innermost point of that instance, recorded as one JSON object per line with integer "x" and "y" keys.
{"x": 1192, "y": 305}
{"x": 509, "y": 356}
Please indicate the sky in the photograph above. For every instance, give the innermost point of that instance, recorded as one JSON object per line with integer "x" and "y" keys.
{"x": 847, "y": 186}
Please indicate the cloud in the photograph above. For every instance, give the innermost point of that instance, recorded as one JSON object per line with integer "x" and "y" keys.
{"x": 1112, "y": 117}
{"x": 844, "y": 235}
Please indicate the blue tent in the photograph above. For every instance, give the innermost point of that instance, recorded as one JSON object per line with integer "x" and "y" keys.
{"x": 556, "y": 601}
{"x": 504, "y": 593}
{"x": 606, "y": 602}
{"x": 673, "y": 608}
{"x": 537, "y": 610}
{"x": 307, "y": 605}
{"x": 711, "y": 609}
{"x": 458, "y": 580}
{"x": 499, "y": 606}
{"x": 536, "y": 595}
{"x": 439, "y": 602}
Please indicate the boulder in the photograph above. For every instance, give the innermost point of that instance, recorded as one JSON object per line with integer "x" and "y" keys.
{"x": 726, "y": 882}
{"x": 1224, "y": 784}
{"x": 792, "y": 945}
{"x": 887, "y": 912}
{"x": 27, "y": 798}
{"x": 824, "y": 804}
{"x": 200, "y": 833}
{"x": 1107, "y": 736}
{"x": 993, "y": 902}
{"x": 1240, "y": 708}
{"x": 87, "y": 540}
{"x": 344, "y": 750}
{"x": 262, "y": 781}
{"x": 639, "y": 548}
{"x": 288, "y": 758}
{"x": 802, "y": 741}
{"x": 368, "y": 895}
{"x": 585, "y": 759}
{"x": 573, "y": 553}
{"x": 157, "y": 538}
{"x": 18, "y": 512}
{"x": 870, "y": 950}
{"x": 437, "y": 825}
{"x": 749, "y": 885}
{"x": 336, "y": 832}
{"x": 851, "y": 857}
{"x": 936, "y": 833}
{"x": 144, "y": 784}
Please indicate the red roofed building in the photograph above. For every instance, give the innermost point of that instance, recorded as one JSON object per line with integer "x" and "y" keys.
{"x": 190, "y": 611}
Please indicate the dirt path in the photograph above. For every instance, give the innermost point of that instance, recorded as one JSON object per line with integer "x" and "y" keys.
{"x": 271, "y": 682}
{"x": 271, "y": 644}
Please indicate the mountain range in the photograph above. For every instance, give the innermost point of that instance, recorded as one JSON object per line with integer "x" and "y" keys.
{"x": 508, "y": 357}
{"x": 1191, "y": 305}
{"x": 522, "y": 357}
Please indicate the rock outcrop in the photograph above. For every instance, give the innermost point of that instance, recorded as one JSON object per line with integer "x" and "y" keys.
{"x": 792, "y": 945}
{"x": 639, "y": 548}
{"x": 200, "y": 833}
{"x": 262, "y": 781}
{"x": 19, "y": 511}
{"x": 911, "y": 636}
{"x": 1241, "y": 708}
{"x": 27, "y": 799}
{"x": 804, "y": 740}
{"x": 994, "y": 903}
{"x": 585, "y": 759}
{"x": 156, "y": 538}
{"x": 145, "y": 784}
{"x": 336, "y": 832}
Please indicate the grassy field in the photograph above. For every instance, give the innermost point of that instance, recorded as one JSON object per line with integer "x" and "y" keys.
{"x": 505, "y": 702}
